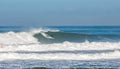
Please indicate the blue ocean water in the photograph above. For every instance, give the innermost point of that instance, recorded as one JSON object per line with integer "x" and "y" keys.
{"x": 98, "y": 30}
{"x": 60, "y": 47}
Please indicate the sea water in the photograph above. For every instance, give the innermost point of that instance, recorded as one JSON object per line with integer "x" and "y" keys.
{"x": 58, "y": 47}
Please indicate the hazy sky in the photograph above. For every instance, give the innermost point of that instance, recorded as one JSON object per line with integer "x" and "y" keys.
{"x": 59, "y": 12}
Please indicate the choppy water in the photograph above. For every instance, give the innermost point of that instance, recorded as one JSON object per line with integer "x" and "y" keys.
{"x": 60, "y": 47}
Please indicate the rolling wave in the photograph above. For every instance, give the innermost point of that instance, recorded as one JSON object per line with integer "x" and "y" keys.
{"x": 60, "y": 56}
{"x": 59, "y": 37}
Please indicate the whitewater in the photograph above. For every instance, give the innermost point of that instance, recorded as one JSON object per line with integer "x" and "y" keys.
{"x": 43, "y": 45}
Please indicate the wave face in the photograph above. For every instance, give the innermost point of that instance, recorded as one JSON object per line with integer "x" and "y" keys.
{"x": 80, "y": 34}
{"x": 59, "y": 37}
{"x": 83, "y": 45}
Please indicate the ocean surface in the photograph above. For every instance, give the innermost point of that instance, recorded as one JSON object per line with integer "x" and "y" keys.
{"x": 60, "y": 47}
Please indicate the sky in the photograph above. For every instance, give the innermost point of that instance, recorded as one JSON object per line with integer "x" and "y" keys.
{"x": 59, "y": 12}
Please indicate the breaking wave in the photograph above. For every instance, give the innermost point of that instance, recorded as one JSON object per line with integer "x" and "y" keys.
{"x": 51, "y": 36}
{"x": 57, "y": 45}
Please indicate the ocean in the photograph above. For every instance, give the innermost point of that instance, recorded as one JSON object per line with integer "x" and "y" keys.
{"x": 60, "y": 47}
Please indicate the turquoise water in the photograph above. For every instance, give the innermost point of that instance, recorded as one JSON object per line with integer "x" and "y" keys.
{"x": 60, "y": 47}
